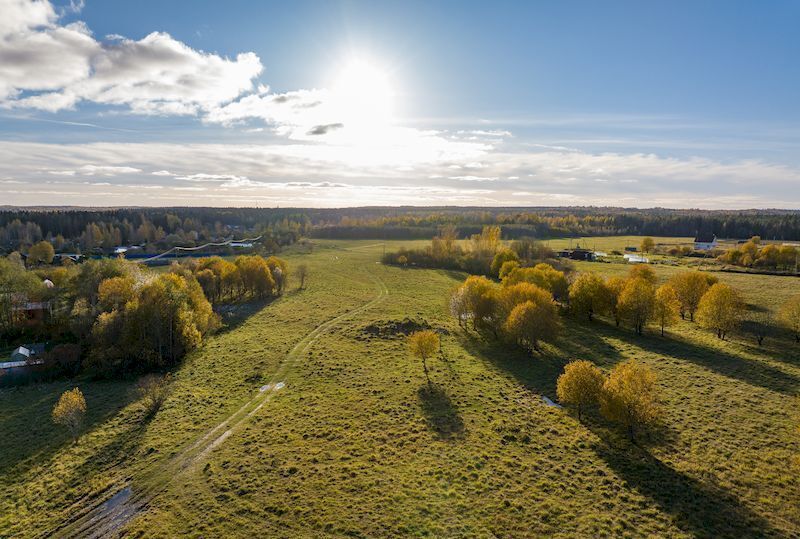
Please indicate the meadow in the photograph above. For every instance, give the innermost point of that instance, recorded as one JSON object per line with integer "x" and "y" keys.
{"x": 356, "y": 443}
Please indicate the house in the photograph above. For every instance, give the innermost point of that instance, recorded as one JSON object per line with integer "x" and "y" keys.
{"x": 705, "y": 242}
{"x": 27, "y": 352}
{"x": 577, "y": 254}
{"x": 630, "y": 249}
{"x": 242, "y": 244}
{"x": 33, "y": 311}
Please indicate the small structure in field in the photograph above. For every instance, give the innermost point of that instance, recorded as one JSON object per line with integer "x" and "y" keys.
{"x": 636, "y": 259}
{"x": 705, "y": 242}
{"x": 577, "y": 254}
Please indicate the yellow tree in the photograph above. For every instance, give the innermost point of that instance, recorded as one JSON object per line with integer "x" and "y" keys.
{"x": 115, "y": 292}
{"x": 422, "y": 345}
{"x": 41, "y": 253}
{"x": 643, "y": 271}
{"x": 580, "y": 385}
{"x": 720, "y": 309}
{"x": 69, "y": 411}
{"x": 533, "y": 321}
{"x": 630, "y": 397}
{"x": 789, "y": 316}
{"x": 648, "y": 245}
{"x": 502, "y": 256}
{"x": 690, "y": 287}
{"x": 588, "y": 295}
{"x": 636, "y": 303}
{"x": 615, "y": 285}
{"x": 666, "y": 307}
{"x": 480, "y": 298}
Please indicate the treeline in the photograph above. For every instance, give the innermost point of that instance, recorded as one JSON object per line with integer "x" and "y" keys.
{"x": 87, "y": 231}
{"x": 417, "y": 223}
{"x": 78, "y": 229}
{"x": 112, "y": 316}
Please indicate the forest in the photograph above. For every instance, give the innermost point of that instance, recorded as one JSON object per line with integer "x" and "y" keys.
{"x": 87, "y": 231}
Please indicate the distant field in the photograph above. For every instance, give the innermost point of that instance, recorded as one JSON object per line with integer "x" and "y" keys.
{"x": 355, "y": 445}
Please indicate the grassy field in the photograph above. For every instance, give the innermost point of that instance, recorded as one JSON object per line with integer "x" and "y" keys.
{"x": 356, "y": 443}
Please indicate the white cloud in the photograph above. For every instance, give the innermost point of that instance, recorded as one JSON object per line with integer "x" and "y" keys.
{"x": 48, "y": 66}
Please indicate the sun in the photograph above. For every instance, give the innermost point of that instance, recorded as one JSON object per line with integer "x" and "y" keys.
{"x": 363, "y": 95}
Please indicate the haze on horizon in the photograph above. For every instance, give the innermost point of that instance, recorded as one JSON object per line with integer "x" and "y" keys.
{"x": 315, "y": 104}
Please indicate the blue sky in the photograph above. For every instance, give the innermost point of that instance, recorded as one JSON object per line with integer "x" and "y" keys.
{"x": 678, "y": 104}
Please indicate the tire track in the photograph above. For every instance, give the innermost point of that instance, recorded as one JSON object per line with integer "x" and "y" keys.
{"x": 108, "y": 515}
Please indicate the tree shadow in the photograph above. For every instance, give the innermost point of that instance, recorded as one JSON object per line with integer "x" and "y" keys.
{"x": 29, "y": 437}
{"x": 699, "y": 509}
{"x": 234, "y": 315}
{"x": 750, "y": 371}
{"x": 440, "y": 412}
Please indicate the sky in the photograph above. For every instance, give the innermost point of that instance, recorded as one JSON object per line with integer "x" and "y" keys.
{"x": 679, "y": 104}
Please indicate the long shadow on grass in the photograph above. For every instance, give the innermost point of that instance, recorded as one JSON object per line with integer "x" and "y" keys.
{"x": 28, "y": 436}
{"x": 441, "y": 413}
{"x": 750, "y": 371}
{"x": 698, "y": 509}
{"x": 538, "y": 372}
{"x": 235, "y": 314}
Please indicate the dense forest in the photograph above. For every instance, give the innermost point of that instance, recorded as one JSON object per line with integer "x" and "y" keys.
{"x": 78, "y": 230}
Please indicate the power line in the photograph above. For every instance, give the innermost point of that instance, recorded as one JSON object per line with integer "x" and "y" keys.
{"x": 209, "y": 244}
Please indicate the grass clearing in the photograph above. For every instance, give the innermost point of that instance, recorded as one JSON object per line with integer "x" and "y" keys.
{"x": 357, "y": 444}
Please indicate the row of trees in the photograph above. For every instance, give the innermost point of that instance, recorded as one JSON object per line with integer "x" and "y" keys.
{"x": 247, "y": 277}
{"x": 521, "y": 309}
{"x": 770, "y": 256}
{"x": 628, "y": 396}
{"x": 482, "y": 254}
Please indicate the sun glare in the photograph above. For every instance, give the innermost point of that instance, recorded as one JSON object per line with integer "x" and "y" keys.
{"x": 363, "y": 95}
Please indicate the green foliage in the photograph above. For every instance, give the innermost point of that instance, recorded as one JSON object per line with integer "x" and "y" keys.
{"x": 500, "y": 259}
{"x": 41, "y": 253}
{"x": 636, "y": 303}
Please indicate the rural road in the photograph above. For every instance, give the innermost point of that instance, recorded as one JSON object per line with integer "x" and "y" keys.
{"x": 118, "y": 506}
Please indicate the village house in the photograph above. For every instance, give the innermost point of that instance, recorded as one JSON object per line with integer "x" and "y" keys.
{"x": 705, "y": 242}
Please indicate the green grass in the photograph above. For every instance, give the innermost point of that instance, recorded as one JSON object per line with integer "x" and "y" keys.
{"x": 357, "y": 445}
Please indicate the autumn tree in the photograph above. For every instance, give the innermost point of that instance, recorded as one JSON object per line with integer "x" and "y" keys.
{"x": 422, "y": 345}
{"x": 507, "y": 268}
{"x": 720, "y": 309}
{"x": 533, "y": 321}
{"x": 647, "y": 245}
{"x": 481, "y": 300}
{"x": 759, "y": 324}
{"x": 666, "y": 307}
{"x": 255, "y": 276}
{"x": 458, "y": 306}
{"x": 588, "y": 295}
{"x": 580, "y": 385}
{"x": 41, "y": 253}
{"x": 614, "y": 286}
{"x": 689, "y": 287}
{"x": 280, "y": 273}
{"x": 643, "y": 271}
{"x": 789, "y": 316}
{"x": 630, "y": 397}
{"x": 115, "y": 292}
{"x": 636, "y": 303}
{"x": 69, "y": 411}
{"x": 502, "y": 256}
{"x": 153, "y": 390}
{"x": 301, "y": 272}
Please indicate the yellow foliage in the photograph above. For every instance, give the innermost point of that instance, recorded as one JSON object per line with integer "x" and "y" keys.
{"x": 580, "y": 384}
{"x": 720, "y": 309}
{"x": 69, "y": 411}
{"x": 630, "y": 396}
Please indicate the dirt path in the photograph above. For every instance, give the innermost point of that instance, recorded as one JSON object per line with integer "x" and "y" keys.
{"x": 106, "y": 516}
